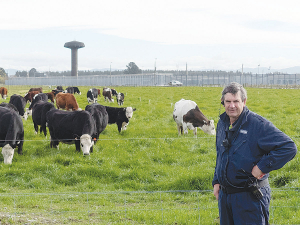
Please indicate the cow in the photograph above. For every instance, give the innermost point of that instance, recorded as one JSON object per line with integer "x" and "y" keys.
{"x": 120, "y": 98}
{"x": 55, "y": 92}
{"x": 51, "y": 96}
{"x": 92, "y": 95}
{"x": 66, "y": 101}
{"x": 10, "y": 106}
{"x": 107, "y": 95}
{"x": 39, "y": 111}
{"x": 72, "y": 127}
{"x": 40, "y": 89}
{"x": 187, "y": 115}
{"x": 100, "y": 116}
{"x": 19, "y": 102}
{"x": 76, "y": 90}
{"x": 114, "y": 92}
{"x": 120, "y": 116}
{"x": 69, "y": 90}
{"x": 11, "y": 133}
{"x": 3, "y": 92}
{"x": 29, "y": 95}
{"x": 38, "y": 97}
{"x": 59, "y": 88}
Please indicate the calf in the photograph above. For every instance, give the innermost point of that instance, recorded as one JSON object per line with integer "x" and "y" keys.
{"x": 29, "y": 95}
{"x": 100, "y": 116}
{"x": 120, "y": 98}
{"x": 107, "y": 94}
{"x": 120, "y": 116}
{"x": 187, "y": 115}
{"x": 19, "y": 102}
{"x": 3, "y": 92}
{"x": 72, "y": 127}
{"x": 39, "y": 111}
{"x": 92, "y": 95}
{"x": 40, "y": 89}
{"x": 11, "y": 133}
{"x": 66, "y": 101}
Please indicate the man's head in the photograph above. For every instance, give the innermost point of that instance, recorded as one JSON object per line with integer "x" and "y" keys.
{"x": 234, "y": 97}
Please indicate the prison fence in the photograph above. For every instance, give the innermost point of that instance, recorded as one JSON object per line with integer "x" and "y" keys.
{"x": 132, "y": 207}
{"x": 195, "y": 79}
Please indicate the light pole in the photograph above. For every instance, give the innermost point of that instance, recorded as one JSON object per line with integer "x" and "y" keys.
{"x": 110, "y": 73}
{"x": 258, "y": 68}
{"x": 155, "y": 72}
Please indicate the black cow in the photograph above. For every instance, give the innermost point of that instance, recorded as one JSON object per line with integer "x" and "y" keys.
{"x": 120, "y": 98}
{"x": 9, "y": 105}
{"x": 19, "y": 102}
{"x": 120, "y": 116}
{"x": 72, "y": 127}
{"x": 38, "y": 97}
{"x": 11, "y": 133}
{"x": 92, "y": 95}
{"x": 76, "y": 90}
{"x": 100, "y": 116}
{"x": 39, "y": 111}
{"x": 59, "y": 88}
{"x": 69, "y": 90}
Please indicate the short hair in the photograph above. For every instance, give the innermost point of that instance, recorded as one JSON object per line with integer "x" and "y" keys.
{"x": 234, "y": 88}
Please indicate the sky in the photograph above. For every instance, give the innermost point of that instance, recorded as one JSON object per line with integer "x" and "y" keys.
{"x": 202, "y": 35}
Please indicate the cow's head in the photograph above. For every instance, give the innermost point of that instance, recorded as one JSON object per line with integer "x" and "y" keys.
{"x": 8, "y": 154}
{"x": 209, "y": 127}
{"x": 86, "y": 143}
{"x": 4, "y": 96}
{"x": 129, "y": 112}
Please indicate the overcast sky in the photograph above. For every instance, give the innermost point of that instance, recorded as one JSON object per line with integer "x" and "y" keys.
{"x": 216, "y": 34}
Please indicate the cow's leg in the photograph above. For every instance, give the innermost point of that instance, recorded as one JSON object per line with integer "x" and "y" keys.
{"x": 20, "y": 144}
{"x": 119, "y": 127}
{"x": 91, "y": 150}
{"x": 185, "y": 128}
{"x": 36, "y": 128}
{"x": 44, "y": 129}
{"x": 77, "y": 145}
{"x": 179, "y": 128}
{"x": 195, "y": 131}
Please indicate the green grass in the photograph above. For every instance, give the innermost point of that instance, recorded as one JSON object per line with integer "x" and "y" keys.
{"x": 147, "y": 158}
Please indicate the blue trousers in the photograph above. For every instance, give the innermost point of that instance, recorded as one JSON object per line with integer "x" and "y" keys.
{"x": 243, "y": 208}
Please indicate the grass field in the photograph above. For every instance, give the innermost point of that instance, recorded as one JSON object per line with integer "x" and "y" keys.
{"x": 124, "y": 180}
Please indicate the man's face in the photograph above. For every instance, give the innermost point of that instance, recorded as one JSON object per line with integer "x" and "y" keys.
{"x": 233, "y": 106}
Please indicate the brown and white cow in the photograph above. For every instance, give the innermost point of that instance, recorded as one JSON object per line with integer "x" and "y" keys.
{"x": 29, "y": 95}
{"x": 3, "y": 92}
{"x": 187, "y": 115}
{"x": 107, "y": 94}
{"x": 66, "y": 101}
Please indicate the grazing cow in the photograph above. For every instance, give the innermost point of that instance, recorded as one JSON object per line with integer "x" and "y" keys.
{"x": 69, "y": 90}
{"x": 72, "y": 127}
{"x": 40, "y": 89}
{"x": 114, "y": 92}
{"x": 66, "y": 101}
{"x": 107, "y": 95}
{"x": 51, "y": 96}
{"x": 59, "y": 88}
{"x": 19, "y": 102}
{"x": 92, "y": 95}
{"x": 187, "y": 115}
{"x": 3, "y": 92}
{"x": 55, "y": 92}
{"x": 120, "y": 98}
{"x": 11, "y": 133}
{"x": 100, "y": 116}
{"x": 29, "y": 95}
{"x": 76, "y": 90}
{"x": 38, "y": 97}
{"x": 120, "y": 116}
{"x": 39, "y": 111}
{"x": 10, "y": 106}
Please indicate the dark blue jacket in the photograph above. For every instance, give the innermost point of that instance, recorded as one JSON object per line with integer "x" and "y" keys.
{"x": 258, "y": 142}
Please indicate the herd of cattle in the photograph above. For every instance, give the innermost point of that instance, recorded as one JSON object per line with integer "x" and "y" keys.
{"x": 74, "y": 125}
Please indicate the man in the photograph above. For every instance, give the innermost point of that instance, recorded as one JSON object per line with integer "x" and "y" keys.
{"x": 248, "y": 148}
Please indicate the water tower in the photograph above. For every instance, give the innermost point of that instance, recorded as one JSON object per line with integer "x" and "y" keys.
{"x": 74, "y": 46}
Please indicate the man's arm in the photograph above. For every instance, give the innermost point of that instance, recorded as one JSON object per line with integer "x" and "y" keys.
{"x": 216, "y": 191}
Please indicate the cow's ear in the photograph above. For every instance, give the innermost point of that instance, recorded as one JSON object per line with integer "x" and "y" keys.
{"x": 76, "y": 137}
{"x": 133, "y": 109}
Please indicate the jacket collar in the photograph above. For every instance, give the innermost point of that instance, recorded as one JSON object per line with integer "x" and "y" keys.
{"x": 225, "y": 118}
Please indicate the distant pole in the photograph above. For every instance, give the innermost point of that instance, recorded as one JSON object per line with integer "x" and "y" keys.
{"x": 186, "y": 74}
{"x": 110, "y": 73}
{"x": 155, "y": 72}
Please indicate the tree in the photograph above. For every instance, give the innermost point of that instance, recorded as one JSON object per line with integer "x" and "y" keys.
{"x": 32, "y": 72}
{"x": 132, "y": 68}
{"x": 2, "y": 72}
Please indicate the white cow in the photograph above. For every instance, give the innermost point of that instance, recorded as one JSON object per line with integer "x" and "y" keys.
{"x": 187, "y": 115}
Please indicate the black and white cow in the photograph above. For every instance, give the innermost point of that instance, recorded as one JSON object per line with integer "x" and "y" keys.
{"x": 72, "y": 127}
{"x": 11, "y": 133}
{"x": 19, "y": 102}
{"x": 76, "y": 90}
{"x": 107, "y": 94}
{"x": 120, "y": 116}
{"x": 39, "y": 111}
{"x": 69, "y": 90}
{"x": 92, "y": 95}
{"x": 120, "y": 98}
{"x": 100, "y": 116}
{"x": 187, "y": 115}
{"x": 36, "y": 98}
{"x": 114, "y": 92}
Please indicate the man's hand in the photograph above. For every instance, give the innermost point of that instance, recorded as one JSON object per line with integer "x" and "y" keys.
{"x": 257, "y": 173}
{"x": 216, "y": 191}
